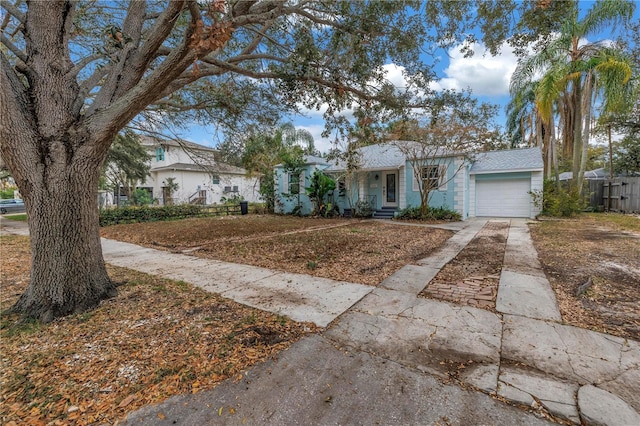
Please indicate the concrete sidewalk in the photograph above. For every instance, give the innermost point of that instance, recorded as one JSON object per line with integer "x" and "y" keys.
{"x": 391, "y": 357}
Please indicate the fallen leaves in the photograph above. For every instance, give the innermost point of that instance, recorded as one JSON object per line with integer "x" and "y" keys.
{"x": 156, "y": 339}
{"x": 351, "y": 250}
{"x": 574, "y": 251}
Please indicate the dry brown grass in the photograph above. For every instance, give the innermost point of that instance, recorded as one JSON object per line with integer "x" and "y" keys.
{"x": 358, "y": 251}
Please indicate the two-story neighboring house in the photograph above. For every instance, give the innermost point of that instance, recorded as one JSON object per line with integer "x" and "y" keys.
{"x": 200, "y": 178}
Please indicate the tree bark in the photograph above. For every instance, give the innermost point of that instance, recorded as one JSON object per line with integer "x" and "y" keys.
{"x": 68, "y": 274}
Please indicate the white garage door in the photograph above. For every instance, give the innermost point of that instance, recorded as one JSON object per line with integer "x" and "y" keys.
{"x": 503, "y": 198}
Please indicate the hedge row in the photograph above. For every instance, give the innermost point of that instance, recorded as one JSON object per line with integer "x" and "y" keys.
{"x": 149, "y": 214}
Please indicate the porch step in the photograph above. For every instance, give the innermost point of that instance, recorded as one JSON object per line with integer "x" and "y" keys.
{"x": 384, "y": 213}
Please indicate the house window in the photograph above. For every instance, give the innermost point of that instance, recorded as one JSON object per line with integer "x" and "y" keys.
{"x": 433, "y": 177}
{"x": 159, "y": 153}
{"x": 294, "y": 183}
{"x": 215, "y": 180}
{"x": 342, "y": 187}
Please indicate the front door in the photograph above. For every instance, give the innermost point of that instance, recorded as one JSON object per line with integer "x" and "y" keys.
{"x": 390, "y": 189}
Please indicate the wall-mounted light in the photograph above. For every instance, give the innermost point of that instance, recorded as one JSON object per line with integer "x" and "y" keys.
{"x": 376, "y": 176}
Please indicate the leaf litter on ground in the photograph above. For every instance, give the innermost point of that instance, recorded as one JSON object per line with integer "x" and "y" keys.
{"x": 156, "y": 339}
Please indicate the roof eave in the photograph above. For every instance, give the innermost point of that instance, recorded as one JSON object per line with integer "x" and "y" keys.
{"x": 485, "y": 172}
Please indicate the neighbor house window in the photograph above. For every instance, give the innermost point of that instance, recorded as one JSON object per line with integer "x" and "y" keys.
{"x": 342, "y": 187}
{"x": 160, "y": 153}
{"x": 215, "y": 180}
{"x": 294, "y": 183}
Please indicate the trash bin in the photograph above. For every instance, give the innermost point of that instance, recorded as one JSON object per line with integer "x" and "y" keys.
{"x": 244, "y": 207}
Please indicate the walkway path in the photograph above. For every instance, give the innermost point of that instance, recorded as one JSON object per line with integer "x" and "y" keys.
{"x": 391, "y": 357}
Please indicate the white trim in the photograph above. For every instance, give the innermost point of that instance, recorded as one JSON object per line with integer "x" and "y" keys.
{"x": 385, "y": 203}
{"x": 442, "y": 177}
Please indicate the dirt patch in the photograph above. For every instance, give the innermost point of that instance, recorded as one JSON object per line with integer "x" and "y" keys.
{"x": 156, "y": 339}
{"x": 351, "y": 250}
{"x": 472, "y": 277}
{"x": 597, "y": 249}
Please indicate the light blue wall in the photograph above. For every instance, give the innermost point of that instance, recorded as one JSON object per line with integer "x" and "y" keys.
{"x": 501, "y": 176}
{"x": 286, "y": 203}
{"x": 437, "y": 198}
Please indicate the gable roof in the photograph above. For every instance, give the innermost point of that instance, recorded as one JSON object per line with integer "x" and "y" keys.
{"x": 156, "y": 141}
{"x": 512, "y": 160}
{"x": 375, "y": 157}
{"x": 597, "y": 174}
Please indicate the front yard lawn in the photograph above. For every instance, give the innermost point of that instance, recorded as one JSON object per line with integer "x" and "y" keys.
{"x": 156, "y": 339}
{"x": 351, "y": 250}
{"x": 604, "y": 248}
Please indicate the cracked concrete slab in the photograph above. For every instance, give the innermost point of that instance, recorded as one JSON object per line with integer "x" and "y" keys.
{"x": 410, "y": 278}
{"x": 419, "y": 332}
{"x": 314, "y": 383}
{"x": 389, "y": 303}
{"x": 576, "y": 354}
{"x": 526, "y": 295}
{"x": 453, "y": 245}
{"x": 527, "y": 387}
{"x": 520, "y": 254}
{"x": 599, "y": 407}
{"x": 482, "y": 376}
{"x": 300, "y": 297}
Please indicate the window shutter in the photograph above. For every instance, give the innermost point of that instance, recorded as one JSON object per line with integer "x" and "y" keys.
{"x": 414, "y": 183}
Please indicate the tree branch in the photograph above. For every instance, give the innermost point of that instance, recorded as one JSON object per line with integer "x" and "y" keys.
{"x": 18, "y": 136}
{"x": 13, "y": 11}
{"x": 83, "y": 63}
{"x": 13, "y": 48}
{"x": 133, "y": 59}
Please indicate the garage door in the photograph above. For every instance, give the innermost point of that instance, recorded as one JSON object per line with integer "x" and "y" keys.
{"x": 503, "y": 198}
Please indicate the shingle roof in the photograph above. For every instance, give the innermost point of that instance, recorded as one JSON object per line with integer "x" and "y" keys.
{"x": 313, "y": 159}
{"x": 512, "y": 160}
{"x": 154, "y": 141}
{"x": 221, "y": 168}
{"x": 376, "y": 157}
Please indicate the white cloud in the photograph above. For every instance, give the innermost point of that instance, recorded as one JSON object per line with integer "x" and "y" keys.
{"x": 484, "y": 74}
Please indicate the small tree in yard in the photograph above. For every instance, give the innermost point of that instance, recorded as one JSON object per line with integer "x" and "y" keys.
{"x": 127, "y": 164}
{"x": 320, "y": 186}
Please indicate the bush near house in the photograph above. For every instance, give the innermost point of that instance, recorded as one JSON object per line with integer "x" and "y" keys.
{"x": 432, "y": 213}
{"x": 149, "y": 214}
{"x": 559, "y": 201}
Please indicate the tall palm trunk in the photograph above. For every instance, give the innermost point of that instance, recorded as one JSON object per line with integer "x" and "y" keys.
{"x": 589, "y": 88}
{"x": 577, "y": 133}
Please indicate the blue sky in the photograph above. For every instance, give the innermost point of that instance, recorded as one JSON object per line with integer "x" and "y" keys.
{"x": 487, "y": 76}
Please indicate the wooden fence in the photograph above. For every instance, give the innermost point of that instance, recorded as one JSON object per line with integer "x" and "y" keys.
{"x": 620, "y": 194}
{"x": 225, "y": 210}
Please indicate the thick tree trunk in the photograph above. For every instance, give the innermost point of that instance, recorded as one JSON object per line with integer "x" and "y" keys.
{"x": 68, "y": 273}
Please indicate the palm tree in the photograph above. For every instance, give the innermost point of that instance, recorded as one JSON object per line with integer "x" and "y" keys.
{"x": 576, "y": 73}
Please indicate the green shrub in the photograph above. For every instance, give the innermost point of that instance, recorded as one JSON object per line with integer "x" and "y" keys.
{"x": 432, "y": 213}
{"x": 558, "y": 202}
{"x": 141, "y": 197}
{"x": 149, "y": 214}
{"x": 363, "y": 209}
{"x": 6, "y": 193}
